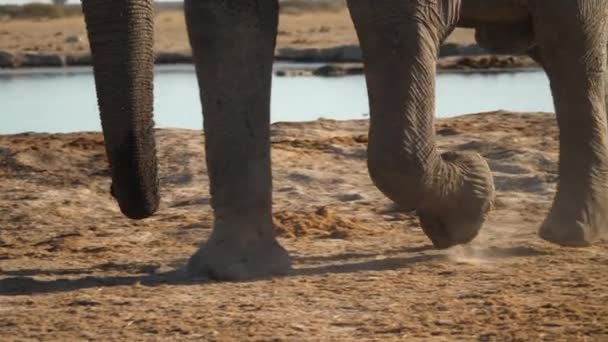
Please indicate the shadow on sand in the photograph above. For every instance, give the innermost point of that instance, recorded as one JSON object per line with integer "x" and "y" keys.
{"x": 20, "y": 282}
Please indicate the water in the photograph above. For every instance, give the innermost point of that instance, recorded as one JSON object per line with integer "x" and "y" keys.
{"x": 63, "y": 100}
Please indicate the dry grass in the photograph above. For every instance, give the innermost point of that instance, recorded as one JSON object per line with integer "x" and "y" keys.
{"x": 36, "y": 10}
{"x": 303, "y": 24}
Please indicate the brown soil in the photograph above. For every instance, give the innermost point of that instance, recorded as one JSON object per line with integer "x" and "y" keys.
{"x": 73, "y": 268}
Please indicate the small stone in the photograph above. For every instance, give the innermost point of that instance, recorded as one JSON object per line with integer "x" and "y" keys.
{"x": 322, "y": 211}
{"x": 298, "y": 327}
{"x": 7, "y": 59}
{"x": 72, "y": 39}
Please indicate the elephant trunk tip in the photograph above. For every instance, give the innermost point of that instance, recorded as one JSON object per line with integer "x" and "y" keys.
{"x": 136, "y": 204}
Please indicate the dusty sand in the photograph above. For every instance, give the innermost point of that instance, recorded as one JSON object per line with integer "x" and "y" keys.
{"x": 72, "y": 267}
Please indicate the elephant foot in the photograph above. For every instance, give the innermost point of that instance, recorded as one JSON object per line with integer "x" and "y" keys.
{"x": 562, "y": 227}
{"x": 457, "y": 212}
{"x": 240, "y": 252}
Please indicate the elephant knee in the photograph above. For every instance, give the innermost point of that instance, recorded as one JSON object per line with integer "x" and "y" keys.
{"x": 398, "y": 176}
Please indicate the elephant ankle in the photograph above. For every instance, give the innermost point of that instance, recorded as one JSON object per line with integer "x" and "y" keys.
{"x": 459, "y": 176}
{"x": 249, "y": 221}
{"x": 239, "y": 254}
{"x": 576, "y": 223}
{"x": 242, "y": 246}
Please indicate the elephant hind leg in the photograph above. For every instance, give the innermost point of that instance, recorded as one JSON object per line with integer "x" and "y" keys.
{"x": 233, "y": 46}
{"x": 572, "y": 49}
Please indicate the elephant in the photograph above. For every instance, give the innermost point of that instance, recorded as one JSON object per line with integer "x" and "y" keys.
{"x": 452, "y": 193}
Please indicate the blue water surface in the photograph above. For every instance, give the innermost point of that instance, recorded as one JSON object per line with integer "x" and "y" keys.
{"x": 63, "y": 100}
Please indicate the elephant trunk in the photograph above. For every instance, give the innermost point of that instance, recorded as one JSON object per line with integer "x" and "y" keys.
{"x": 451, "y": 192}
{"x": 121, "y": 39}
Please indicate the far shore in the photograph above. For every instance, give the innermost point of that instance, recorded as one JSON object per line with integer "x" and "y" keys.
{"x": 307, "y": 65}
{"x": 326, "y": 37}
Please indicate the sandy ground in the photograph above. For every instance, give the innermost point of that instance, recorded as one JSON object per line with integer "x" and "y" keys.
{"x": 303, "y": 30}
{"x": 73, "y": 268}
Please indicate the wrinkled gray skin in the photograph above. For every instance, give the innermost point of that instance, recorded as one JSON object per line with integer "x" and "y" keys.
{"x": 233, "y": 43}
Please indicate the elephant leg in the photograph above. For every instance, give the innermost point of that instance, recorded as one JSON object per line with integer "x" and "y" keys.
{"x": 123, "y": 62}
{"x": 606, "y": 84}
{"x": 572, "y": 46}
{"x": 451, "y": 192}
{"x": 233, "y": 46}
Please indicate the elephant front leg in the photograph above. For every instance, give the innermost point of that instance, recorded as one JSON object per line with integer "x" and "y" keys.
{"x": 572, "y": 46}
{"x": 233, "y": 46}
{"x": 451, "y": 192}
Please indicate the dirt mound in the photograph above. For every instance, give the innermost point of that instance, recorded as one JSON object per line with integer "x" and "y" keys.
{"x": 322, "y": 223}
